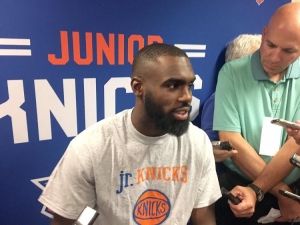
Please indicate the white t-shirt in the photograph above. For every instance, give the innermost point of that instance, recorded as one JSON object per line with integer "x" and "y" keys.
{"x": 130, "y": 178}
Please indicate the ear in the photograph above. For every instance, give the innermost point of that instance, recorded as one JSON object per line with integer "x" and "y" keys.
{"x": 137, "y": 86}
{"x": 265, "y": 30}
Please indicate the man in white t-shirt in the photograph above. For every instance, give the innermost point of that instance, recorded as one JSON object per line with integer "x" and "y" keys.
{"x": 147, "y": 165}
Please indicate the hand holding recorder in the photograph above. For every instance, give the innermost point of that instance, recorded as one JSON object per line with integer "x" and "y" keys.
{"x": 247, "y": 198}
{"x": 291, "y": 128}
{"x": 227, "y": 194}
{"x": 222, "y": 150}
{"x": 286, "y": 124}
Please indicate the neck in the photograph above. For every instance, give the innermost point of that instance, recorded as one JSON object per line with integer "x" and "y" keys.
{"x": 276, "y": 77}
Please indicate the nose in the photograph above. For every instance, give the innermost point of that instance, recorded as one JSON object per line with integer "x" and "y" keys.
{"x": 275, "y": 57}
{"x": 186, "y": 95}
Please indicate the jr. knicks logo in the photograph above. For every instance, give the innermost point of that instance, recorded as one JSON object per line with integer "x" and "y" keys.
{"x": 152, "y": 208}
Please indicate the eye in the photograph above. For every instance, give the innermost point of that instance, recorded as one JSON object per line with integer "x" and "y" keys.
{"x": 191, "y": 85}
{"x": 271, "y": 45}
{"x": 174, "y": 86}
{"x": 288, "y": 51}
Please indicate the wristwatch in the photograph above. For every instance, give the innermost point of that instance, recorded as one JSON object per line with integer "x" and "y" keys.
{"x": 259, "y": 193}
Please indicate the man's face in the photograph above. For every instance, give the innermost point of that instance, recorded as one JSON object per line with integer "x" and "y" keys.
{"x": 166, "y": 120}
{"x": 168, "y": 94}
{"x": 279, "y": 49}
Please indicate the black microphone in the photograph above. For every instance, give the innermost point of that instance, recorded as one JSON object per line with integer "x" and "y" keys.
{"x": 295, "y": 160}
{"x": 222, "y": 145}
{"x": 235, "y": 200}
{"x": 87, "y": 216}
{"x": 290, "y": 195}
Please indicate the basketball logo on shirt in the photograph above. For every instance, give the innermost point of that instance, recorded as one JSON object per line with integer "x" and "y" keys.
{"x": 152, "y": 208}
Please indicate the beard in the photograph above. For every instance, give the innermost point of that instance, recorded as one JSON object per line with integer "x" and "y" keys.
{"x": 165, "y": 121}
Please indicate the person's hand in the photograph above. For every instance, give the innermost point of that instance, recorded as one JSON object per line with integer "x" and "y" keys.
{"x": 221, "y": 155}
{"x": 289, "y": 209}
{"x": 246, "y": 207}
{"x": 294, "y": 133}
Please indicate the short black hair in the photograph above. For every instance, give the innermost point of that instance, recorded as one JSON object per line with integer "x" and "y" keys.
{"x": 150, "y": 53}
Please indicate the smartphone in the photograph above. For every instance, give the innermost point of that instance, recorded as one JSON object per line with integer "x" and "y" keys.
{"x": 295, "y": 160}
{"x": 222, "y": 145}
{"x": 290, "y": 195}
{"x": 231, "y": 197}
{"x": 285, "y": 123}
{"x": 87, "y": 216}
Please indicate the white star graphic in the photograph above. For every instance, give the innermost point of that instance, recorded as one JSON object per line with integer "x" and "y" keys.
{"x": 41, "y": 183}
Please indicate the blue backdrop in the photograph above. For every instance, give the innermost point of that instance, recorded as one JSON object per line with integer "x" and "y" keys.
{"x": 65, "y": 65}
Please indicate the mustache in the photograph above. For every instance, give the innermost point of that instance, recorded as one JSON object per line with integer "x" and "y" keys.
{"x": 184, "y": 105}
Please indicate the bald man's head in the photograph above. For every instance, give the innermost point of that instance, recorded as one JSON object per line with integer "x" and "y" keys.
{"x": 281, "y": 41}
{"x": 287, "y": 16}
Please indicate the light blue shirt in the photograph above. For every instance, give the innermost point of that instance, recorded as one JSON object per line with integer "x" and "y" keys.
{"x": 245, "y": 95}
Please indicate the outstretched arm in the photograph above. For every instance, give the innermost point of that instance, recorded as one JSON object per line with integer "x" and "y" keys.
{"x": 204, "y": 216}
{"x": 270, "y": 180}
{"x": 279, "y": 166}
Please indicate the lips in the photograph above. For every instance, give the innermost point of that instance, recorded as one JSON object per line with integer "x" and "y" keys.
{"x": 270, "y": 65}
{"x": 182, "y": 113}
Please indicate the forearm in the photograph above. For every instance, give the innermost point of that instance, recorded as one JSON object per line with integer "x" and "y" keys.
{"x": 246, "y": 156}
{"x": 275, "y": 189}
{"x": 278, "y": 167}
